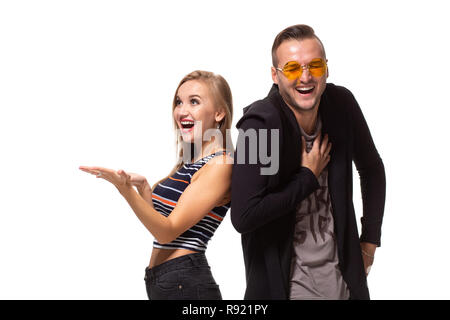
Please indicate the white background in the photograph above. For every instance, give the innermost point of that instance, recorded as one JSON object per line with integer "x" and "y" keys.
{"x": 91, "y": 83}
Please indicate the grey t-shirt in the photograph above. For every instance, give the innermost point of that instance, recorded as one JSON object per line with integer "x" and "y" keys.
{"x": 315, "y": 272}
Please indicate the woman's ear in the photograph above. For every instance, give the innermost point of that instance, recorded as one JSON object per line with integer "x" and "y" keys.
{"x": 220, "y": 115}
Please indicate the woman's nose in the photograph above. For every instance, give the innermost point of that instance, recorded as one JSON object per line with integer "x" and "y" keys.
{"x": 181, "y": 110}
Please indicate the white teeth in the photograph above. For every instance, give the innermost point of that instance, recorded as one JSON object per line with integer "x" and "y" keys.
{"x": 187, "y": 122}
{"x": 305, "y": 89}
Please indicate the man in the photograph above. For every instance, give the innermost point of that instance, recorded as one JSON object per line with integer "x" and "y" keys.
{"x": 299, "y": 231}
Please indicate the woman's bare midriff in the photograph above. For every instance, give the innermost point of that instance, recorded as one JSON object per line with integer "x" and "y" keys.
{"x": 162, "y": 255}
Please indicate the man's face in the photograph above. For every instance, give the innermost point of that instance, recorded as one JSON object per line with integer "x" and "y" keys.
{"x": 303, "y": 93}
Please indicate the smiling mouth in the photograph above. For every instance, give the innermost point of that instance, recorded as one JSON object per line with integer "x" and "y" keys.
{"x": 187, "y": 124}
{"x": 305, "y": 90}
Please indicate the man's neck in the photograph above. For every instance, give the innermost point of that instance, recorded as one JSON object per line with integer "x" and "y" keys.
{"x": 306, "y": 119}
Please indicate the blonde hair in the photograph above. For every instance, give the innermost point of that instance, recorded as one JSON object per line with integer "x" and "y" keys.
{"x": 221, "y": 94}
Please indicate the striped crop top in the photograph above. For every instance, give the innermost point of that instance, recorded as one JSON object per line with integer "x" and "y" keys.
{"x": 165, "y": 197}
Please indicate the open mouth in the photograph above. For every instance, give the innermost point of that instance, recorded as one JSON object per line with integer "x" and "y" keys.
{"x": 187, "y": 125}
{"x": 305, "y": 90}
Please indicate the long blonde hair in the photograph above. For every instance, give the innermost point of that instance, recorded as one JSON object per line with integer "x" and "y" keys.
{"x": 221, "y": 94}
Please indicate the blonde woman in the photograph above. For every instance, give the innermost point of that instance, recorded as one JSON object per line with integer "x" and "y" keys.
{"x": 184, "y": 209}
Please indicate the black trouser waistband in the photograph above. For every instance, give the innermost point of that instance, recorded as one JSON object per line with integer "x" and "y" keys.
{"x": 188, "y": 260}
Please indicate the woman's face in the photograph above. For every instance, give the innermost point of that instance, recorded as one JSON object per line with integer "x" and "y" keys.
{"x": 194, "y": 111}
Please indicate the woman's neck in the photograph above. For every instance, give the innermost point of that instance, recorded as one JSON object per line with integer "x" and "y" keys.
{"x": 207, "y": 148}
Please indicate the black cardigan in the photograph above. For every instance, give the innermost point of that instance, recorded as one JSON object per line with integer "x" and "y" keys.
{"x": 263, "y": 206}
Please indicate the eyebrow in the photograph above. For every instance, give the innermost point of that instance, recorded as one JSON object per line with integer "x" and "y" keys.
{"x": 312, "y": 60}
{"x": 191, "y": 96}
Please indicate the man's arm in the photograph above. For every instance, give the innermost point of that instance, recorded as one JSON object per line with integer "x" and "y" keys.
{"x": 372, "y": 176}
{"x": 252, "y": 205}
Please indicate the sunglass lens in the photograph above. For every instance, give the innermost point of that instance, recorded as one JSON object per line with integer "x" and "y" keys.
{"x": 317, "y": 67}
{"x": 292, "y": 70}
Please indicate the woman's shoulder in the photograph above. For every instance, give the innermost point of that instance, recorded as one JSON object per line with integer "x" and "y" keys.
{"x": 217, "y": 167}
{"x": 221, "y": 157}
{"x": 222, "y": 160}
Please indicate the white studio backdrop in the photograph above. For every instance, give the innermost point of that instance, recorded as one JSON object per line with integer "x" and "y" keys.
{"x": 91, "y": 83}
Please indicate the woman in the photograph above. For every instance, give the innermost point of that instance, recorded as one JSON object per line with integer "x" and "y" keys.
{"x": 184, "y": 209}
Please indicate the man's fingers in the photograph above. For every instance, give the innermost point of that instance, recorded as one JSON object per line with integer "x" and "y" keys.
{"x": 303, "y": 145}
{"x": 327, "y": 159}
{"x": 324, "y": 144}
{"x": 316, "y": 143}
{"x": 328, "y": 149}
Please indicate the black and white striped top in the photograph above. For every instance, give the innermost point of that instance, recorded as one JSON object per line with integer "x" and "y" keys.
{"x": 165, "y": 197}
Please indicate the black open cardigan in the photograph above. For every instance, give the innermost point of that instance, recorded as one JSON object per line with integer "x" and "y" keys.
{"x": 263, "y": 206}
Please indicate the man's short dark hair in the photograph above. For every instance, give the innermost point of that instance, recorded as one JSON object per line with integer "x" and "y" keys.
{"x": 297, "y": 32}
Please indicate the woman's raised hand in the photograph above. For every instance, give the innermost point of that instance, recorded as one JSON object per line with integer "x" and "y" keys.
{"x": 119, "y": 178}
{"x": 123, "y": 180}
{"x": 137, "y": 180}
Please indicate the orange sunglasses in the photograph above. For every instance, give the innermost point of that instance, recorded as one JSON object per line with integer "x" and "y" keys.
{"x": 293, "y": 70}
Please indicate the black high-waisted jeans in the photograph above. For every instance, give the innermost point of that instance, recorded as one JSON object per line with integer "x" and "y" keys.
{"x": 183, "y": 278}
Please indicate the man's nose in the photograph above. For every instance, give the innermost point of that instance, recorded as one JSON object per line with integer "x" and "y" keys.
{"x": 306, "y": 75}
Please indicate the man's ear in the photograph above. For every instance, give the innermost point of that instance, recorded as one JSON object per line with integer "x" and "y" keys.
{"x": 274, "y": 75}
